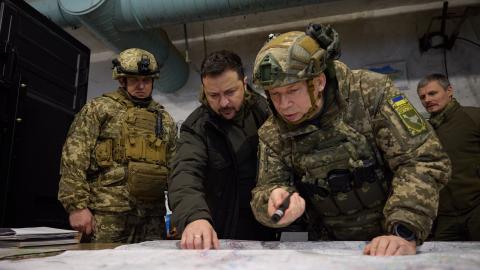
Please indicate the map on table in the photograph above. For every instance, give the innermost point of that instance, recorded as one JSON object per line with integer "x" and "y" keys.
{"x": 236, "y": 254}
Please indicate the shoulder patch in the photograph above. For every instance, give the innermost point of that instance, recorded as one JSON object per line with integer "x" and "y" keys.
{"x": 411, "y": 119}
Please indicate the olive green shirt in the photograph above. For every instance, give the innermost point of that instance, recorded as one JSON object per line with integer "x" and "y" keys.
{"x": 458, "y": 129}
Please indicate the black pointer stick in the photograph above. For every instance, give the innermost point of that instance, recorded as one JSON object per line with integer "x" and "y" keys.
{"x": 281, "y": 209}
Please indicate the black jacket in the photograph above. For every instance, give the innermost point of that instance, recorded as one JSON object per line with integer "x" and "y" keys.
{"x": 204, "y": 182}
{"x": 458, "y": 129}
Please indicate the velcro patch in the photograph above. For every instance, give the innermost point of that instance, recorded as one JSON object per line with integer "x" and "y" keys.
{"x": 409, "y": 116}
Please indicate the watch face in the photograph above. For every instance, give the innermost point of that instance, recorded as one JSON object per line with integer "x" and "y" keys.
{"x": 404, "y": 232}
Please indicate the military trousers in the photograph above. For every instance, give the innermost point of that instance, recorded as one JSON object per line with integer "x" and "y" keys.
{"x": 128, "y": 227}
{"x": 458, "y": 228}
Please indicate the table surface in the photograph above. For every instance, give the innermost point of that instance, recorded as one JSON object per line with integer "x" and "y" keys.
{"x": 237, "y": 254}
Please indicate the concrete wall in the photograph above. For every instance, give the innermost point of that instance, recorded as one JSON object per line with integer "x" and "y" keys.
{"x": 364, "y": 42}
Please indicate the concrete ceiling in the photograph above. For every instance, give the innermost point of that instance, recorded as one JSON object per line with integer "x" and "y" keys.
{"x": 277, "y": 20}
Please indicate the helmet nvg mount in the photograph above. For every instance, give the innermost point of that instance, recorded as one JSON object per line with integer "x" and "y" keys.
{"x": 135, "y": 62}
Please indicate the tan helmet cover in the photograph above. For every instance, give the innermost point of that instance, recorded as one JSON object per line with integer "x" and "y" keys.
{"x": 135, "y": 62}
{"x": 290, "y": 58}
{"x": 286, "y": 59}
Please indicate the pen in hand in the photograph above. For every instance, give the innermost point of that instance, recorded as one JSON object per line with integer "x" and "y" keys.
{"x": 280, "y": 212}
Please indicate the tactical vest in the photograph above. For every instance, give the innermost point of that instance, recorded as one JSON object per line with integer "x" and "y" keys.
{"x": 344, "y": 183}
{"x": 345, "y": 178}
{"x": 140, "y": 148}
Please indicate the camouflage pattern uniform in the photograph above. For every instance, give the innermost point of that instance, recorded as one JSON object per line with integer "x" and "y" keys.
{"x": 366, "y": 162}
{"x": 114, "y": 162}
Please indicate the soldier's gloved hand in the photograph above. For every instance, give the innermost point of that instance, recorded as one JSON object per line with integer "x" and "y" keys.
{"x": 390, "y": 245}
{"x": 294, "y": 210}
{"x": 82, "y": 220}
{"x": 199, "y": 234}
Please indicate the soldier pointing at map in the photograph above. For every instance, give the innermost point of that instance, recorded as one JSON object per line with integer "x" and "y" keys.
{"x": 362, "y": 164}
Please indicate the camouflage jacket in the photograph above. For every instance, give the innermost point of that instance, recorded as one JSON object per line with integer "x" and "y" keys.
{"x": 365, "y": 112}
{"x": 99, "y": 185}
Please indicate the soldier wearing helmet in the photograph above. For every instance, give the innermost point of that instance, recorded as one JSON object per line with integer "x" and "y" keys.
{"x": 136, "y": 69}
{"x": 345, "y": 147}
{"x": 114, "y": 164}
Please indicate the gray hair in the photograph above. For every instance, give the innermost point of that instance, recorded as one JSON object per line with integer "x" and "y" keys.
{"x": 440, "y": 78}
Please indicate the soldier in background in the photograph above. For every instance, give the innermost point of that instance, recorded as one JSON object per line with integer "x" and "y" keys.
{"x": 114, "y": 161}
{"x": 344, "y": 146}
{"x": 458, "y": 129}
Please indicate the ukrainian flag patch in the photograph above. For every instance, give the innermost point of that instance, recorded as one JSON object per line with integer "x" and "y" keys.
{"x": 411, "y": 119}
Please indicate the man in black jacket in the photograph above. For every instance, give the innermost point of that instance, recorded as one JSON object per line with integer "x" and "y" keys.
{"x": 458, "y": 128}
{"x": 215, "y": 167}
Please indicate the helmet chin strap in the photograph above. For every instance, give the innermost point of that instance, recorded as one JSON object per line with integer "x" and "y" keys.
{"x": 313, "y": 108}
{"x": 142, "y": 102}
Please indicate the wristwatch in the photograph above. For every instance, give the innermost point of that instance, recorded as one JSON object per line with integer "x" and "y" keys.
{"x": 404, "y": 232}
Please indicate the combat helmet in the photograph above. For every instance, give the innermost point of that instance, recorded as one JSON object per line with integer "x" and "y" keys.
{"x": 135, "y": 62}
{"x": 296, "y": 56}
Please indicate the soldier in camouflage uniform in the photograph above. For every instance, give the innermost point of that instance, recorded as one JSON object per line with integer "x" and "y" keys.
{"x": 114, "y": 161}
{"x": 346, "y": 145}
